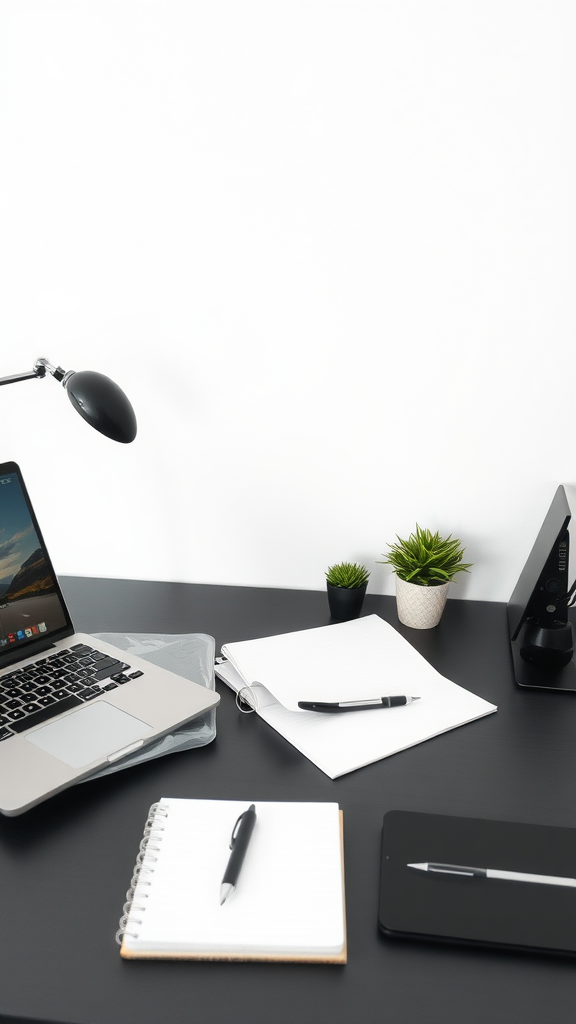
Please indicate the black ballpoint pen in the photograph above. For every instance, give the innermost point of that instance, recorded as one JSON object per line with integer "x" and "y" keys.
{"x": 241, "y": 834}
{"x": 355, "y": 705}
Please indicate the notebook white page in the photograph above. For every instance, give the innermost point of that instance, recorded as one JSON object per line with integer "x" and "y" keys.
{"x": 386, "y": 665}
{"x": 289, "y": 898}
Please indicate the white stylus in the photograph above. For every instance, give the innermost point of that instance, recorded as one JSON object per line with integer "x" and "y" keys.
{"x": 512, "y": 876}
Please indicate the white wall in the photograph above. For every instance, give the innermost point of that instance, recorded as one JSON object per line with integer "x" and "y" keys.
{"x": 328, "y": 248}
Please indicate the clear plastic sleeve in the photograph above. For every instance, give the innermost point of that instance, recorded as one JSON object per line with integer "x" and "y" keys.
{"x": 190, "y": 655}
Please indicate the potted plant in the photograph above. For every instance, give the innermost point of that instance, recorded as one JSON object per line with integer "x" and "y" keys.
{"x": 346, "y": 583}
{"x": 424, "y": 566}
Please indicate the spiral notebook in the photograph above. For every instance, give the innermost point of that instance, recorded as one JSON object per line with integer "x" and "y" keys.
{"x": 289, "y": 900}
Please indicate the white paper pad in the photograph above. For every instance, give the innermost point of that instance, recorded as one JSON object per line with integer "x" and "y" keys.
{"x": 352, "y": 660}
{"x": 289, "y": 898}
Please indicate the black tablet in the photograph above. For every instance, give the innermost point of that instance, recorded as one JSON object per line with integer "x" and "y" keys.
{"x": 477, "y": 881}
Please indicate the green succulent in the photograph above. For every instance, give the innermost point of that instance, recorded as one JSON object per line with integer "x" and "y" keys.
{"x": 426, "y": 558}
{"x": 348, "y": 575}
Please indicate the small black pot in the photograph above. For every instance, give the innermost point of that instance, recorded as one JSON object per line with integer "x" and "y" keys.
{"x": 345, "y": 602}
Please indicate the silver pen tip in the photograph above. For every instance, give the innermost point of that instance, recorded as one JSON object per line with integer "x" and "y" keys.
{"x": 420, "y": 867}
{"x": 225, "y": 891}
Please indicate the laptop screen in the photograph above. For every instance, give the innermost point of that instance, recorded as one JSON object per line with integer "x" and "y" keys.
{"x": 32, "y": 609}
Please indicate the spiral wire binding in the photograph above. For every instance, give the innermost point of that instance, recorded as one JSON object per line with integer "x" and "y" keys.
{"x": 149, "y": 846}
{"x": 246, "y": 700}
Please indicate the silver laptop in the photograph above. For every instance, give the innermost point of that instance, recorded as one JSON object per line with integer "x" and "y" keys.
{"x": 69, "y": 705}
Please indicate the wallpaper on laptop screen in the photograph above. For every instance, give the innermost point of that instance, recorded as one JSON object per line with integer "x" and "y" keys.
{"x": 29, "y": 600}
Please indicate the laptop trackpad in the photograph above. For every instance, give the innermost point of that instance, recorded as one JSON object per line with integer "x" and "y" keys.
{"x": 89, "y": 734}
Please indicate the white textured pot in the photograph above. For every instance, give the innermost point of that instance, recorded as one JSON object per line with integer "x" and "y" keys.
{"x": 420, "y": 607}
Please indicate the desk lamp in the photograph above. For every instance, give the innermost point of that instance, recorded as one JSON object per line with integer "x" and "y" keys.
{"x": 97, "y": 398}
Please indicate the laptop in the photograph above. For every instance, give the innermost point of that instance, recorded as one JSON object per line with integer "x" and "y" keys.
{"x": 69, "y": 705}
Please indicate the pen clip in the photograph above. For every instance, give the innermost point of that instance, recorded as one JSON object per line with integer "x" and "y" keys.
{"x": 234, "y": 830}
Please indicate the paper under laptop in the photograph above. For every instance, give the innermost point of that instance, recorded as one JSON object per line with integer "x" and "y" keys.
{"x": 354, "y": 660}
{"x": 69, "y": 704}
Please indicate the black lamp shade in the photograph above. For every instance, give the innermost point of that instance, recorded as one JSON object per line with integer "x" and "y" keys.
{"x": 102, "y": 404}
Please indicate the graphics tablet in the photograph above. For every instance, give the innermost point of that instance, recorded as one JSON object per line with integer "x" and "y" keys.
{"x": 514, "y": 885}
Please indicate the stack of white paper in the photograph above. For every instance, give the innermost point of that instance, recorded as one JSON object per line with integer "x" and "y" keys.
{"x": 353, "y": 660}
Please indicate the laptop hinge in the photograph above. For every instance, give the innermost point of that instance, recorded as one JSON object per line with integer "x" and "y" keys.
{"x": 9, "y": 659}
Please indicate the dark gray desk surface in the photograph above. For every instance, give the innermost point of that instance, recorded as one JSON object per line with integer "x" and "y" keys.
{"x": 65, "y": 866}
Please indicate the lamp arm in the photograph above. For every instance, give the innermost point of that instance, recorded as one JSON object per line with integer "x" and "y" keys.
{"x": 21, "y": 376}
{"x": 40, "y": 368}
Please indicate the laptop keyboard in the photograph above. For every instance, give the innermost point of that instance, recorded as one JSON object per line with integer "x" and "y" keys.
{"x": 64, "y": 680}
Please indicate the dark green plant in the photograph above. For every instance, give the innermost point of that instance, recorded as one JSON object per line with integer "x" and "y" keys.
{"x": 348, "y": 575}
{"x": 426, "y": 558}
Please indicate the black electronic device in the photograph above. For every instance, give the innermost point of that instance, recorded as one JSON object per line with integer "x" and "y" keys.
{"x": 520, "y": 893}
{"x": 541, "y": 634}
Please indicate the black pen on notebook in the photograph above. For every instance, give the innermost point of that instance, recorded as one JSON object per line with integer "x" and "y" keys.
{"x": 355, "y": 705}
{"x": 241, "y": 834}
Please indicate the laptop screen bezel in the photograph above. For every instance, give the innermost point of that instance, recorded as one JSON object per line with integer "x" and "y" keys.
{"x": 27, "y": 648}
